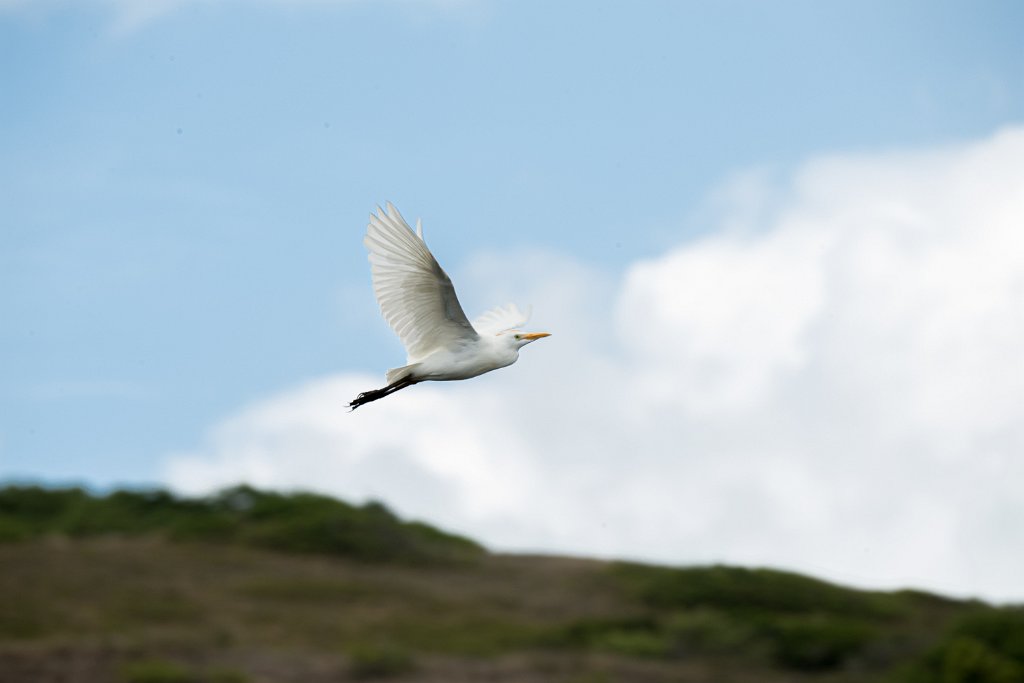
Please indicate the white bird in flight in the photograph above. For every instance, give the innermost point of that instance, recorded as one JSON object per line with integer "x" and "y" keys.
{"x": 418, "y": 301}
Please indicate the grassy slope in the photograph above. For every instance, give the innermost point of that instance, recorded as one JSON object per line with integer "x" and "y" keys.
{"x": 147, "y": 605}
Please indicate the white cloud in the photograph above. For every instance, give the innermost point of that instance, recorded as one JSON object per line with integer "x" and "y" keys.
{"x": 834, "y": 384}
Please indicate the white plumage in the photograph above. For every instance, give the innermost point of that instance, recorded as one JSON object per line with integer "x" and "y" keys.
{"x": 418, "y": 301}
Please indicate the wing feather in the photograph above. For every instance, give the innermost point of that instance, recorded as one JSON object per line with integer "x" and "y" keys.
{"x": 501, "y": 319}
{"x": 416, "y": 296}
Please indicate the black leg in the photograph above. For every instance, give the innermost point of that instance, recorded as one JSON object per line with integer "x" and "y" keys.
{"x": 375, "y": 394}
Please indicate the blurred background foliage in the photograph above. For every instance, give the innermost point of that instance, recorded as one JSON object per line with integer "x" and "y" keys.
{"x": 298, "y": 522}
{"x": 248, "y": 585}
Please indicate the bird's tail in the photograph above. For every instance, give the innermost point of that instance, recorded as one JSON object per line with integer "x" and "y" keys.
{"x": 395, "y": 374}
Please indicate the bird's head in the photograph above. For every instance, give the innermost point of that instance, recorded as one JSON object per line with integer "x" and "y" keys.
{"x": 520, "y": 339}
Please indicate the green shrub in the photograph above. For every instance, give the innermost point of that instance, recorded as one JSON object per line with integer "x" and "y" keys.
{"x": 157, "y": 671}
{"x": 379, "y": 661}
{"x": 298, "y": 522}
{"x": 963, "y": 660}
{"x": 588, "y": 632}
{"x": 634, "y": 643}
{"x": 37, "y": 506}
{"x": 12, "y": 529}
{"x": 710, "y": 631}
{"x": 986, "y": 646}
{"x": 966, "y": 660}
{"x": 750, "y": 591}
{"x": 631, "y": 636}
{"x": 817, "y": 643}
{"x": 1001, "y": 630}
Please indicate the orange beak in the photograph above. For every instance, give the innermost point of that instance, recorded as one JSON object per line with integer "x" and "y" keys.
{"x": 535, "y": 335}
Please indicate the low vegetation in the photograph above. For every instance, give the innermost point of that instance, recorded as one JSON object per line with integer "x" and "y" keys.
{"x": 250, "y": 587}
{"x": 299, "y": 522}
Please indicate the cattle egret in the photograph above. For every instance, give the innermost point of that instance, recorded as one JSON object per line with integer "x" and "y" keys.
{"x": 418, "y": 301}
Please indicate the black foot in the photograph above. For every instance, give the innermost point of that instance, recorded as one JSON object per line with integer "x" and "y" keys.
{"x": 375, "y": 394}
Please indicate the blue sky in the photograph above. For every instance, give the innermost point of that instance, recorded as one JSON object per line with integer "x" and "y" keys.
{"x": 184, "y": 192}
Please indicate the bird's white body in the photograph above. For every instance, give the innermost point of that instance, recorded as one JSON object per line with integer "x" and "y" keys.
{"x": 418, "y": 300}
{"x": 466, "y": 359}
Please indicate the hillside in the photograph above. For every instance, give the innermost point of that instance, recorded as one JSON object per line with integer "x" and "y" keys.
{"x": 249, "y": 586}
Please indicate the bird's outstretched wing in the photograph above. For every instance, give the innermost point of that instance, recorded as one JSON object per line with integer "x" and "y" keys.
{"x": 415, "y": 295}
{"x": 501, "y": 319}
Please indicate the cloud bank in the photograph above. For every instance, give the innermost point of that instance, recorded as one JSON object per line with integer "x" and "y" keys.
{"x": 833, "y": 385}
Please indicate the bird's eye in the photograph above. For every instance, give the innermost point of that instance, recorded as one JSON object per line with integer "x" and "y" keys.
{"x": 518, "y": 336}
